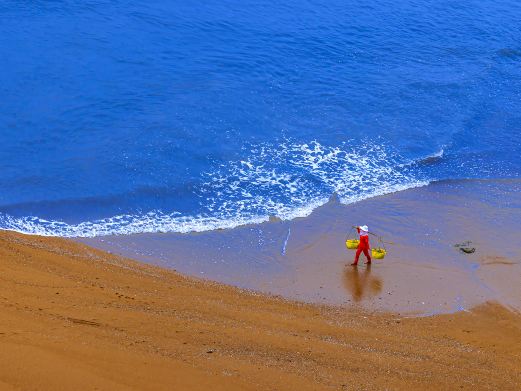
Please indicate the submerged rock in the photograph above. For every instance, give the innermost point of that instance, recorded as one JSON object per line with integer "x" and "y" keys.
{"x": 274, "y": 219}
{"x": 334, "y": 198}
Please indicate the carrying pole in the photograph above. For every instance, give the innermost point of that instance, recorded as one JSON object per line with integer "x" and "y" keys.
{"x": 375, "y": 235}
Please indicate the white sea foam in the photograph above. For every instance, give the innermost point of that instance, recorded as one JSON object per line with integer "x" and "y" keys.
{"x": 151, "y": 222}
{"x": 438, "y": 154}
{"x": 435, "y": 156}
{"x": 289, "y": 180}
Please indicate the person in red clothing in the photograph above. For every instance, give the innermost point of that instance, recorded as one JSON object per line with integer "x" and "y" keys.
{"x": 363, "y": 231}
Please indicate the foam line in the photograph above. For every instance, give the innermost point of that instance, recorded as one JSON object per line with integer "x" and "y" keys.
{"x": 288, "y": 180}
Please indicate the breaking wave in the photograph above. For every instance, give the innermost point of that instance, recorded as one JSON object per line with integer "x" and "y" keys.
{"x": 288, "y": 180}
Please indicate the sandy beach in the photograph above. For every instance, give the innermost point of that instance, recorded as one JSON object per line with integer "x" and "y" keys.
{"x": 179, "y": 183}
{"x": 74, "y": 317}
{"x": 425, "y": 317}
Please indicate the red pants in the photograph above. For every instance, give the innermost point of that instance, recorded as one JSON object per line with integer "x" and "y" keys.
{"x": 366, "y": 253}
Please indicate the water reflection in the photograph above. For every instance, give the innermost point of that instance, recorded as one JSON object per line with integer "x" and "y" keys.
{"x": 360, "y": 283}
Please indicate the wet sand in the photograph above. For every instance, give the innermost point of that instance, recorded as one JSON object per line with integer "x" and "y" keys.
{"x": 73, "y": 317}
{"x": 305, "y": 259}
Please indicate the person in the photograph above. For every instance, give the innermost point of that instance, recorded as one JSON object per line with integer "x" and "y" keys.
{"x": 363, "y": 246}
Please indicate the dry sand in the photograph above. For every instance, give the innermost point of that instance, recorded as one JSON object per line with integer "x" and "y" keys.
{"x": 75, "y": 318}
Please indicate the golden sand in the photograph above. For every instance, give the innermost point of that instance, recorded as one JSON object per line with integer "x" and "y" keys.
{"x": 75, "y": 318}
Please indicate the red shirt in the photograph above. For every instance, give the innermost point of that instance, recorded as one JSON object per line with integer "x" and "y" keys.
{"x": 364, "y": 239}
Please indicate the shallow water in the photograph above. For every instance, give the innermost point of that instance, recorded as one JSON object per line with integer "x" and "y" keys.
{"x": 131, "y": 117}
{"x": 306, "y": 259}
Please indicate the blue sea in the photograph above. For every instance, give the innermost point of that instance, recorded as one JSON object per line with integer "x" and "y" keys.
{"x": 122, "y": 117}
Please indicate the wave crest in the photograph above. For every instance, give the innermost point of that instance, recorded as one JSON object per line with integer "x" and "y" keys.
{"x": 288, "y": 180}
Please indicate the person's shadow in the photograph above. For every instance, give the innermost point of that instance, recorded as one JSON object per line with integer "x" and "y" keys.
{"x": 360, "y": 283}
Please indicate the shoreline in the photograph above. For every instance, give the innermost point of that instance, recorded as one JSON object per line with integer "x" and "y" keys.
{"x": 73, "y": 316}
{"x": 304, "y": 259}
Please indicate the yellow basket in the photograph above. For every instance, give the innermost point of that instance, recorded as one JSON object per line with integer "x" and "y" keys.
{"x": 352, "y": 244}
{"x": 378, "y": 253}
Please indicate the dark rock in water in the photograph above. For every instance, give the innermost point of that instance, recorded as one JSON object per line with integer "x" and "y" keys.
{"x": 335, "y": 199}
{"x": 430, "y": 160}
{"x": 465, "y": 247}
{"x": 275, "y": 219}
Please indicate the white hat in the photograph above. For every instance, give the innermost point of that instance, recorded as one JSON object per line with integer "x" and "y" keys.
{"x": 364, "y": 228}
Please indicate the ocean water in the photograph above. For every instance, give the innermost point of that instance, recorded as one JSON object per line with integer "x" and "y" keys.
{"x": 123, "y": 117}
